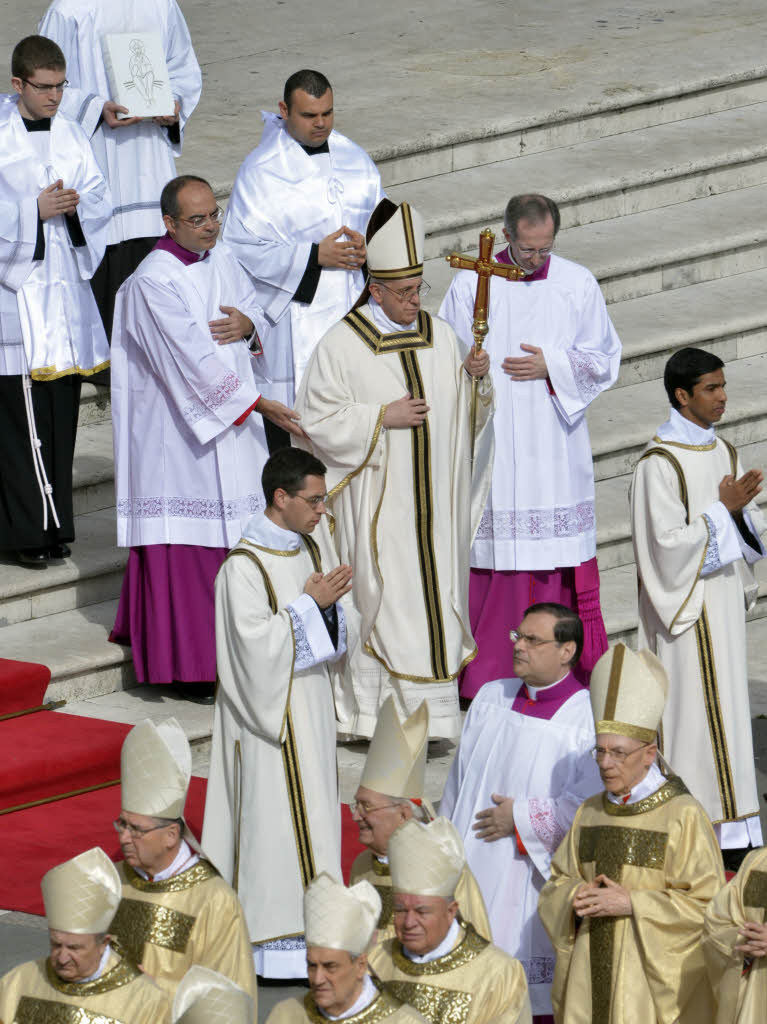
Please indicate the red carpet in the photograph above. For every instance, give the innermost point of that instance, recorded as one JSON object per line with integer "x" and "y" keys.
{"x": 22, "y": 685}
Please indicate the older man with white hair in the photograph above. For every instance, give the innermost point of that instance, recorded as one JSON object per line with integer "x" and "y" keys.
{"x": 207, "y": 997}
{"x": 436, "y": 963}
{"x": 86, "y": 977}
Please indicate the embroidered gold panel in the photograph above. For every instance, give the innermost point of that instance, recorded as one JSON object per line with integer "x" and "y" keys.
{"x": 755, "y": 891}
{"x": 438, "y": 1005}
{"x": 46, "y": 1011}
{"x": 138, "y": 922}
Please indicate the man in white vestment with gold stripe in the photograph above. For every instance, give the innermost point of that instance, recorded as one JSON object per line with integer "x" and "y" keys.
{"x": 437, "y": 963}
{"x": 207, "y": 997}
{"x": 86, "y": 978}
{"x": 340, "y": 926}
{"x": 631, "y": 880}
{"x": 386, "y": 404}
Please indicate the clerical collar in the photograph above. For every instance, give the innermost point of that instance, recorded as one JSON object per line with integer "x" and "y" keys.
{"x": 650, "y": 784}
{"x": 367, "y": 995}
{"x": 184, "y": 859}
{"x": 380, "y": 859}
{"x": 384, "y": 324}
{"x": 450, "y": 940}
{"x": 100, "y": 969}
{"x": 316, "y": 151}
{"x": 43, "y": 124}
{"x": 678, "y": 428}
{"x": 547, "y": 692}
{"x": 267, "y": 534}
{"x": 539, "y": 274}
{"x": 187, "y": 256}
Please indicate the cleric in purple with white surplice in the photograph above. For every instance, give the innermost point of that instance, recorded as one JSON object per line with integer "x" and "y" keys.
{"x": 552, "y": 350}
{"x": 188, "y": 435}
{"x": 523, "y": 767}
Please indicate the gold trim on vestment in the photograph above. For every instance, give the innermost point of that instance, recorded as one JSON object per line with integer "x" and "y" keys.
{"x": 688, "y": 447}
{"x": 636, "y": 732}
{"x": 297, "y": 802}
{"x": 270, "y": 551}
{"x": 407, "y": 224}
{"x": 418, "y": 679}
{"x": 383, "y": 1005}
{"x": 613, "y": 686}
{"x": 270, "y": 595}
{"x": 436, "y": 1005}
{"x": 138, "y": 922}
{"x": 350, "y": 476}
{"x": 733, "y": 453}
{"x": 314, "y": 551}
{"x": 468, "y": 949}
{"x": 380, "y": 869}
{"x": 386, "y": 892}
{"x": 237, "y": 785}
{"x": 673, "y": 787}
{"x": 755, "y": 891}
{"x": 714, "y": 718}
{"x": 422, "y": 336}
{"x": 45, "y": 373}
{"x": 123, "y": 973}
{"x": 32, "y": 1010}
{"x": 400, "y": 274}
{"x": 202, "y": 871}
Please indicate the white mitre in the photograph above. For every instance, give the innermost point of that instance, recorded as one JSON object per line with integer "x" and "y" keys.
{"x": 207, "y": 997}
{"x": 81, "y": 895}
{"x": 396, "y": 761}
{"x": 155, "y": 769}
{"x": 628, "y": 692}
{"x": 339, "y": 918}
{"x": 396, "y": 250}
{"x": 426, "y": 860}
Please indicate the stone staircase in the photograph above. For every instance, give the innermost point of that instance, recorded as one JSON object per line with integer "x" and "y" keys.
{"x": 663, "y": 200}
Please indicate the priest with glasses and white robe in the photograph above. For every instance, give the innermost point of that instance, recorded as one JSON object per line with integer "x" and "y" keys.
{"x": 553, "y": 350}
{"x": 296, "y": 221}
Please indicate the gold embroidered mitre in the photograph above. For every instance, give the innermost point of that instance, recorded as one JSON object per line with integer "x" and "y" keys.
{"x": 628, "y": 693}
{"x": 81, "y": 895}
{"x": 339, "y": 918}
{"x": 396, "y": 250}
{"x": 396, "y": 761}
{"x": 426, "y": 860}
{"x": 207, "y": 997}
{"x": 156, "y": 766}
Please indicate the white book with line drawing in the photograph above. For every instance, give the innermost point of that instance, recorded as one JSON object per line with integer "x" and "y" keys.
{"x": 138, "y": 75}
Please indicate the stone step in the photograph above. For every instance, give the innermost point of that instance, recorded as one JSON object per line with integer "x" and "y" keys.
{"x": 612, "y": 177}
{"x": 93, "y": 574}
{"x": 95, "y": 404}
{"x": 659, "y": 250}
{"x": 93, "y": 476}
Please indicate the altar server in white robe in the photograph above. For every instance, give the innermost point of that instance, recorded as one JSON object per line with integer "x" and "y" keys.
{"x": 386, "y": 403}
{"x": 272, "y": 815}
{"x": 137, "y": 157}
{"x": 553, "y": 350}
{"x": 189, "y": 449}
{"x": 296, "y": 221}
{"x": 523, "y": 767}
{"x": 697, "y": 533}
{"x": 54, "y": 212}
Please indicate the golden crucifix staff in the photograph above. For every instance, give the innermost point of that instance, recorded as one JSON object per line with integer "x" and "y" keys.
{"x": 485, "y": 267}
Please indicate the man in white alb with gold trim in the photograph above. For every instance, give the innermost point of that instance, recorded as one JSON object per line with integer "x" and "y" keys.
{"x": 436, "y": 963}
{"x": 391, "y": 792}
{"x": 385, "y": 402}
{"x": 207, "y": 997}
{"x": 86, "y": 978}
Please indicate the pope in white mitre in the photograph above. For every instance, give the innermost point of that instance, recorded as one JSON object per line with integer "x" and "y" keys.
{"x": 386, "y": 403}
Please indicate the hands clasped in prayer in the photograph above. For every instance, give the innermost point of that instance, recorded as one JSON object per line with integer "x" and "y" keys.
{"x": 736, "y": 494}
{"x": 55, "y": 200}
{"x": 753, "y": 939}
{"x": 331, "y": 587}
{"x": 496, "y": 822}
{"x": 342, "y": 253}
{"x": 532, "y": 367}
{"x": 602, "y": 898}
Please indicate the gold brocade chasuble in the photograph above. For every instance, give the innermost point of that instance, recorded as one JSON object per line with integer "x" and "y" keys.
{"x": 384, "y": 1007}
{"x": 648, "y": 967}
{"x": 33, "y": 994}
{"x": 470, "y": 902}
{"x": 192, "y": 918}
{"x": 472, "y": 984}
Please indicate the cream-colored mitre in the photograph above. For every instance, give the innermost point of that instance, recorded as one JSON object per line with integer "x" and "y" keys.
{"x": 628, "y": 693}
{"x": 426, "y": 860}
{"x": 396, "y": 250}
{"x": 396, "y": 761}
{"x": 339, "y": 918}
{"x": 156, "y": 766}
{"x": 207, "y": 997}
{"x": 81, "y": 895}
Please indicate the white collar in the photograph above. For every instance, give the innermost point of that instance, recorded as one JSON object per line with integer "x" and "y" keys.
{"x": 383, "y": 323}
{"x": 100, "y": 969}
{"x": 533, "y": 691}
{"x": 185, "y": 858}
{"x": 645, "y": 787}
{"x": 367, "y": 995}
{"x": 678, "y": 428}
{"x": 442, "y": 949}
{"x": 380, "y": 859}
{"x": 260, "y": 529}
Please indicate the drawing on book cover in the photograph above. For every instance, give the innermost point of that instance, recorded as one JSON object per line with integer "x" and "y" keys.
{"x": 142, "y": 72}
{"x": 138, "y": 74}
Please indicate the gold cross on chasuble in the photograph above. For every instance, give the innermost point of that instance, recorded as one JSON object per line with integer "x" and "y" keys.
{"x": 755, "y": 891}
{"x": 611, "y": 848}
{"x": 139, "y": 921}
{"x": 47, "y": 1011}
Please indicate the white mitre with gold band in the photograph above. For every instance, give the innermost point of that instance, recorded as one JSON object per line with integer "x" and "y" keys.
{"x": 628, "y": 692}
{"x": 155, "y": 769}
{"x": 396, "y": 761}
{"x": 339, "y": 918}
{"x": 207, "y": 997}
{"x": 426, "y": 860}
{"x": 82, "y": 895}
{"x": 396, "y": 250}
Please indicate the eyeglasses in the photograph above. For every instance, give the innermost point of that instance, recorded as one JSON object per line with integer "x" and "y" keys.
{"x": 365, "y": 808}
{"x": 532, "y": 641}
{"x": 619, "y": 756}
{"x": 313, "y": 502}
{"x": 527, "y": 253}
{"x": 408, "y": 294}
{"x": 121, "y": 825}
{"x": 202, "y": 219}
{"x": 43, "y": 89}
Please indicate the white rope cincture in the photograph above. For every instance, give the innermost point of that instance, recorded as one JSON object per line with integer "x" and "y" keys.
{"x": 46, "y": 490}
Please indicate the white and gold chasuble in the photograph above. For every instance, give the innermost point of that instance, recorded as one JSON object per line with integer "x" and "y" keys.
{"x": 384, "y": 1007}
{"x": 474, "y": 983}
{"x": 647, "y": 968}
{"x": 33, "y": 994}
{"x": 405, "y": 505}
